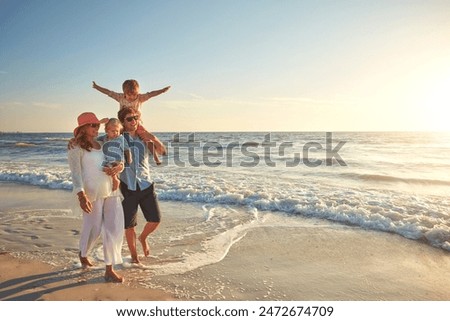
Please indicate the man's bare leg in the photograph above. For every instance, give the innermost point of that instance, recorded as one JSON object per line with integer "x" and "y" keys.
{"x": 130, "y": 235}
{"x": 148, "y": 228}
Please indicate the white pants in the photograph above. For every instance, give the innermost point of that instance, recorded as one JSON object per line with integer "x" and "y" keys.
{"x": 106, "y": 217}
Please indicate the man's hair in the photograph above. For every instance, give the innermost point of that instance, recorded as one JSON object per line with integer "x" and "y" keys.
{"x": 130, "y": 85}
{"x": 124, "y": 112}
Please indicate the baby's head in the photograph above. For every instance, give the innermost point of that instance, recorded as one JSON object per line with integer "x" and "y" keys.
{"x": 130, "y": 89}
{"x": 113, "y": 128}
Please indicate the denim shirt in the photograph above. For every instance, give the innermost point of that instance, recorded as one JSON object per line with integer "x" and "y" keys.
{"x": 138, "y": 172}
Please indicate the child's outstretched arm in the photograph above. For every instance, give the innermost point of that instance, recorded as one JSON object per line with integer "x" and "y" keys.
{"x": 101, "y": 89}
{"x": 147, "y": 96}
{"x": 106, "y": 91}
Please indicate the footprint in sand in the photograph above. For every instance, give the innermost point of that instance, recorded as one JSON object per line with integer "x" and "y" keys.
{"x": 42, "y": 245}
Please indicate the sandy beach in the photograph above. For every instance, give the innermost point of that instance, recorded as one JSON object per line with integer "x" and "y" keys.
{"x": 26, "y": 280}
{"x": 317, "y": 261}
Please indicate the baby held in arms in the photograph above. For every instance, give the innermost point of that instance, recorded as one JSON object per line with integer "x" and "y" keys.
{"x": 115, "y": 148}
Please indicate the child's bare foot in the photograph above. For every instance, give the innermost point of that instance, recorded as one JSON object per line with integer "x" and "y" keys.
{"x": 115, "y": 183}
{"x": 156, "y": 147}
{"x": 145, "y": 246}
{"x": 157, "y": 160}
{"x": 161, "y": 149}
{"x": 135, "y": 259}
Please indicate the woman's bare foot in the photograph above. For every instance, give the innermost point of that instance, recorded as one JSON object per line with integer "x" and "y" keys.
{"x": 85, "y": 263}
{"x": 112, "y": 276}
{"x": 145, "y": 246}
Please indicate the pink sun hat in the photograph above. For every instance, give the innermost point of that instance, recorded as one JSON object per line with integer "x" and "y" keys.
{"x": 87, "y": 118}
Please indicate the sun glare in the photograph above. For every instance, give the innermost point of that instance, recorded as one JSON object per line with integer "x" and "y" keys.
{"x": 437, "y": 104}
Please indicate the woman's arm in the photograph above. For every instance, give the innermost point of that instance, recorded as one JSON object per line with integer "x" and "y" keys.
{"x": 84, "y": 201}
{"x": 74, "y": 156}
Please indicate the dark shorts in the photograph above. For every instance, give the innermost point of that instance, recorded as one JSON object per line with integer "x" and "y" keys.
{"x": 146, "y": 199}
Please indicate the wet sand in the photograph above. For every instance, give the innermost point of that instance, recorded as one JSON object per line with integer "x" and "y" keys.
{"x": 321, "y": 261}
{"x": 26, "y": 280}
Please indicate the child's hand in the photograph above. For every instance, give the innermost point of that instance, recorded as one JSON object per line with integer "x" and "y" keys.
{"x": 113, "y": 171}
{"x": 165, "y": 89}
{"x": 94, "y": 84}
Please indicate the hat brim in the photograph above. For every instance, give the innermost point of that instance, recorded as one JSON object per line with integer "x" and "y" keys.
{"x": 85, "y": 119}
{"x": 77, "y": 129}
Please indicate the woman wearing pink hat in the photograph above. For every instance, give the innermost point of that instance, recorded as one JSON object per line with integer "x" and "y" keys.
{"x": 102, "y": 208}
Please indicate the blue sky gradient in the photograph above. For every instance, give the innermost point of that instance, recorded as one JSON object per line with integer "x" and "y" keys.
{"x": 233, "y": 65}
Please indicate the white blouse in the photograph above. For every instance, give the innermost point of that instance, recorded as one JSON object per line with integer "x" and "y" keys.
{"x": 88, "y": 175}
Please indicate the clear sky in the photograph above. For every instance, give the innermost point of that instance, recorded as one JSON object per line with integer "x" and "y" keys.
{"x": 234, "y": 65}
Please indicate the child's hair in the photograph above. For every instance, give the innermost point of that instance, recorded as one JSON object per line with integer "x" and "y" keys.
{"x": 130, "y": 85}
{"x": 113, "y": 121}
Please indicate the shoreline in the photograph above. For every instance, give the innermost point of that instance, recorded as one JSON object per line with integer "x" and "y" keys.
{"x": 314, "y": 260}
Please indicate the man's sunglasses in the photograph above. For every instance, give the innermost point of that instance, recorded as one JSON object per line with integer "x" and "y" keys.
{"x": 129, "y": 119}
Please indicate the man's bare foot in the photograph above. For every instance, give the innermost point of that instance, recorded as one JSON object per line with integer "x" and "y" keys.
{"x": 135, "y": 260}
{"x": 85, "y": 263}
{"x": 145, "y": 246}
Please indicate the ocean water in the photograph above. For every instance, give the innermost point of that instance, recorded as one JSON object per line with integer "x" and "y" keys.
{"x": 395, "y": 182}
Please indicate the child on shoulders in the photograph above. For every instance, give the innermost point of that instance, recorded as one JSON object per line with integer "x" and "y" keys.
{"x": 132, "y": 98}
